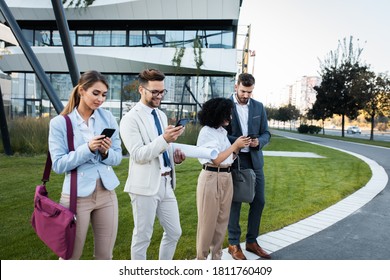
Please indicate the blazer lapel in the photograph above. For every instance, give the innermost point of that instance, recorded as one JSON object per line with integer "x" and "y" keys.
{"x": 144, "y": 118}
{"x": 250, "y": 113}
{"x": 236, "y": 118}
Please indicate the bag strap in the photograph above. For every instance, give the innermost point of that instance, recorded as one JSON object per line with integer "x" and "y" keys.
{"x": 238, "y": 162}
{"x": 46, "y": 172}
{"x": 73, "y": 175}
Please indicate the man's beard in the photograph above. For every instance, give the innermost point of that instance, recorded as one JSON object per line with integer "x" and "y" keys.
{"x": 242, "y": 100}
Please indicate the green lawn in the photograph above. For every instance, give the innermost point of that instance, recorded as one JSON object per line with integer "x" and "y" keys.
{"x": 295, "y": 188}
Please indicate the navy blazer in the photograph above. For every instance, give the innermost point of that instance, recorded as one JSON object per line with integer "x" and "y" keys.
{"x": 257, "y": 124}
{"x": 90, "y": 166}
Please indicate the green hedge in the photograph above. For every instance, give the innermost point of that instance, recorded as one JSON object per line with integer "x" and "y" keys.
{"x": 304, "y": 128}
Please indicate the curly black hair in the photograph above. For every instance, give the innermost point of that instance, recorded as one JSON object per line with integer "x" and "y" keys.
{"x": 215, "y": 111}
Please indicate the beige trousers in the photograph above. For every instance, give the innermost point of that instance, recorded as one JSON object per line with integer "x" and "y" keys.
{"x": 213, "y": 197}
{"x": 101, "y": 210}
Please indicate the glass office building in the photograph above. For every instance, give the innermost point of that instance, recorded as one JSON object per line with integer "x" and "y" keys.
{"x": 192, "y": 41}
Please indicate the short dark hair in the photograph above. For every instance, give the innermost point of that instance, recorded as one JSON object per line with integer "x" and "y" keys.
{"x": 246, "y": 79}
{"x": 150, "y": 75}
{"x": 215, "y": 111}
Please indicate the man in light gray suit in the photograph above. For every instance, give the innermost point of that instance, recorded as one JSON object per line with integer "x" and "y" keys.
{"x": 151, "y": 180}
{"x": 249, "y": 119}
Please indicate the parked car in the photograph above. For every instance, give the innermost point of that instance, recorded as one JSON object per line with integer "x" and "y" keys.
{"x": 354, "y": 129}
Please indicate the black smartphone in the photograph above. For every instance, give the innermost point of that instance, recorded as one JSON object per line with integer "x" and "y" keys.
{"x": 253, "y": 136}
{"x": 108, "y": 132}
{"x": 182, "y": 122}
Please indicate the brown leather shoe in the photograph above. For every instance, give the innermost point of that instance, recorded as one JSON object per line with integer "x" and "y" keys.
{"x": 256, "y": 249}
{"x": 236, "y": 252}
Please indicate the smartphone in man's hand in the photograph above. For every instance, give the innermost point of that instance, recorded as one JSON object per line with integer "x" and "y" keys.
{"x": 182, "y": 122}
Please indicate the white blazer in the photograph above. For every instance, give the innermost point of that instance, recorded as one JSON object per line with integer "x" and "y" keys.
{"x": 144, "y": 146}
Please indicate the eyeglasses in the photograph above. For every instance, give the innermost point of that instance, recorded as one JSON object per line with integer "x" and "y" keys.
{"x": 157, "y": 92}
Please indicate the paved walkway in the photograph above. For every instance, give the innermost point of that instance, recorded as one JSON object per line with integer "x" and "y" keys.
{"x": 276, "y": 240}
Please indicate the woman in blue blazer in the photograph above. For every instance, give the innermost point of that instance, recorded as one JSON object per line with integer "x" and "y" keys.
{"x": 94, "y": 156}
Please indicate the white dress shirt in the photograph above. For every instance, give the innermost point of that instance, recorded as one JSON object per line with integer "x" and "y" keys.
{"x": 243, "y": 113}
{"x": 215, "y": 139}
{"x": 149, "y": 110}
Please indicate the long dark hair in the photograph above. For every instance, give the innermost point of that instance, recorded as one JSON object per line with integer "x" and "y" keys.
{"x": 87, "y": 79}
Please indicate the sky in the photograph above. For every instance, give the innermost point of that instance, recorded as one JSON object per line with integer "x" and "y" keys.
{"x": 290, "y": 36}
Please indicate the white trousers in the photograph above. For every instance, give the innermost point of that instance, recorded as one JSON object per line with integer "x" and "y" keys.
{"x": 145, "y": 209}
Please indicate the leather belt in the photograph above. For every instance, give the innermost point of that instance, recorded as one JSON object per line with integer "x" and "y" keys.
{"x": 166, "y": 173}
{"x": 216, "y": 169}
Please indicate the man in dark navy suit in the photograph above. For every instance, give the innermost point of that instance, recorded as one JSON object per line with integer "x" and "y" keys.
{"x": 249, "y": 118}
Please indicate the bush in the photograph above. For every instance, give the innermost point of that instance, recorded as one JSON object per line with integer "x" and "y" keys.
{"x": 304, "y": 128}
{"x": 30, "y": 136}
{"x": 314, "y": 129}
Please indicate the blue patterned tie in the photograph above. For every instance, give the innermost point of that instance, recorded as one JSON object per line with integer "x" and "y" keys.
{"x": 157, "y": 122}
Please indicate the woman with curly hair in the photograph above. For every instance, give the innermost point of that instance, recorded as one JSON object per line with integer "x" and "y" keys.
{"x": 215, "y": 185}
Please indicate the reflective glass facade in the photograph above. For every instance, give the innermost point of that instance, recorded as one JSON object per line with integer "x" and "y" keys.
{"x": 185, "y": 93}
{"x": 134, "y": 38}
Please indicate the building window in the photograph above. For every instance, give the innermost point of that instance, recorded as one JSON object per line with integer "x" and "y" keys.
{"x": 84, "y": 38}
{"x": 28, "y": 36}
{"x": 33, "y": 108}
{"x": 135, "y": 38}
{"x": 174, "y": 38}
{"x": 17, "y": 87}
{"x": 213, "y": 38}
{"x": 42, "y": 38}
{"x": 101, "y": 38}
{"x": 118, "y": 38}
{"x": 18, "y": 108}
{"x": 62, "y": 85}
{"x": 31, "y": 91}
{"x": 189, "y": 37}
{"x": 115, "y": 87}
{"x": 56, "y": 38}
{"x": 154, "y": 38}
{"x": 227, "y": 39}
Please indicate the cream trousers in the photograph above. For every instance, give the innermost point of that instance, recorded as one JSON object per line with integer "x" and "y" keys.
{"x": 101, "y": 210}
{"x": 214, "y": 197}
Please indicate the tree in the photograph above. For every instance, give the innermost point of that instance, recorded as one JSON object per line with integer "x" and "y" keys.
{"x": 344, "y": 86}
{"x": 378, "y": 99}
{"x": 287, "y": 113}
{"x": 319, "y": 111}
{"x": 271, "y": 113}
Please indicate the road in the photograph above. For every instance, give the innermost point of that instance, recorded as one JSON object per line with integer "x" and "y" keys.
{"x": 364, "y": 235}
{"x": 379, "y": 136}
